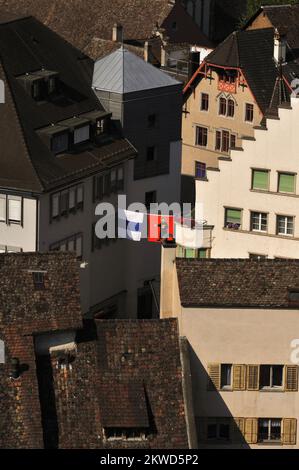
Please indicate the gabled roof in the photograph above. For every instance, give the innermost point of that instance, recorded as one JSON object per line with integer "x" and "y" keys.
{"x": 81, "y": 21}
{"x": 124, "y": 72}
{"x": 284, "y": 18}
{"x": 252, "y": 52}
{"x": 237, "y": 282}
{"x": 27, "y": 164}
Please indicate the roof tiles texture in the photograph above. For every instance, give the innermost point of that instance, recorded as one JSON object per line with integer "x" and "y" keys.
{"x": 237, "y": 283}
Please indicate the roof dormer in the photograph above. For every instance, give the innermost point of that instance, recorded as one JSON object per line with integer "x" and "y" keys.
{"x": 40, "y": 85}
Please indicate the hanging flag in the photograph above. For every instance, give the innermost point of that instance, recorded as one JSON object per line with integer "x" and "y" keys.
{"x": 131, "y": 225}
{"x": 160, "y": 227}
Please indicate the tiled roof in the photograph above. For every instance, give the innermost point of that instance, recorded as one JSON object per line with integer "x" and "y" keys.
{"x": 237, "y": 283}
{"x": 251, "y": 51}
{"x": 27, "y": 163}
{"x": 124, "y": 72}
{"x": 123, "y": 374}
{"x": 81, "y": 21}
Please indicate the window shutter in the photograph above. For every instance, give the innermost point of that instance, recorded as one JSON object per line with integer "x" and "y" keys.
{"x": 239, "y": 377}
{"x": 289, "y": 431}
{"x": 238, "y": 429}
{"x": 260, "y": 179}
{"x": 291, "y": 378}
{"x": 214, "y": 377}
{"x": 286, "y": 183}
{"x": 253, "y": 375}
{"x": 251, "y": 427}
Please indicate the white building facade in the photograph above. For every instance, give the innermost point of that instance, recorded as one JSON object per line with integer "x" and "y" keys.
{"x": 252, "y": 200}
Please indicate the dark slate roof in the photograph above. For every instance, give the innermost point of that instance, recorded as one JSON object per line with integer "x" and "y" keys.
{"x": 26, "y": 45}
{"x": 251, "y": 51}
{"x": 81, "y": 21}
{"x": 237, "y": 283}
{"x": 284, "y": 18}
{"x": 122, "y": 373}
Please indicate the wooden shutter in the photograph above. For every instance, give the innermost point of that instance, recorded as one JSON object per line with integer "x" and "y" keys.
{"x": 238, "y": 429}
{"x": 289, "y": 431}
{"x": 251, "y": 427}
{"x": 239, "y": 377}
{"x": 214, "y": 377}
{"x": 253, "y": 376}
{"x": 291, "y": 378}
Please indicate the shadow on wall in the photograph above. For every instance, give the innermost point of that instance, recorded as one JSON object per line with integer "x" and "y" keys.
{"x": 222, "y": 424}
{"x": 188, "y": 189}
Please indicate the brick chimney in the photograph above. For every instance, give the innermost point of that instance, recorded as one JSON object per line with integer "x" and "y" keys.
{"x": 147, "y": 50}
{"x": 117, "y": 33}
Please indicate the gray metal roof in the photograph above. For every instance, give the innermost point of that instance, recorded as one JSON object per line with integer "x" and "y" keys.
{"x": 124, "y": 72}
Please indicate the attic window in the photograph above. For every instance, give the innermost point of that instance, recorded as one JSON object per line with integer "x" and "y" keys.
{"x": 294, "y": 298}
{"x": 38, "y": 280}
{"x": 82, "y": 134}
{"x": 60, "y": 143}
{"x": 127, "y": 434}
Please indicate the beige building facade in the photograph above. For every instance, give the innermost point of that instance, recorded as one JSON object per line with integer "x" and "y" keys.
{"x": 245, "y": 383}
{"x": 252, "y": 201}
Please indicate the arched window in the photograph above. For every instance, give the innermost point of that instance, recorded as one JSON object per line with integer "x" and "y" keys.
{"x": 222, "y": 106}
{"x": 230, "y": 108}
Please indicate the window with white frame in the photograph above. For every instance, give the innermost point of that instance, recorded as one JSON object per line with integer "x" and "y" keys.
{"x": 269, "y": 430}
{"x": 271, "y": 377}
{"x": 259, "y": 222}
{"x": 67, "y": 201}
{"x": 285, "y": 225}
{"x": 14, "y": 209}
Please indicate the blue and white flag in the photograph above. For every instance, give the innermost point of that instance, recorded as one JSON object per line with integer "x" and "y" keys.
{"x": 131, "y": 224}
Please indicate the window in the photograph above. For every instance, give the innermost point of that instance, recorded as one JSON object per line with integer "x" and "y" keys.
{"x": 204, "y": 106}
{"x": 2, "y": 208}
{"x": 286, "y": 183}
{"x": 224, "y": 140}
{"x": 14, "y": 210}
{"x": 82, "y": 134}
{"x": 51, "y": 85}
{"x": 233, "y": 141}
{"x": 230, "y": 108}
{"x": 249, "y": 110}
{"x": 202, "y": 253}
{"x": 36, "y": 90}
{"x": 150, "y": 198}
{"x": 38, "y": 280}
{"x": 201, "y": 136}
{"x": 100, "y": 129}
{"x": 269, "y": 430}
{"x": 200, "y": 170}
{"x": 259, "y": 222}
{"x": 74, "y": 243}
{"x": 104, "y": 185}
{"x": 260, "y": 180}
{"x": 151, "y": 121}
{"x": 218, "y": 430}
{"x": 285, "y": 225}
{"x": 118, "y": 434}
{"x": 271, "y": 377}
{"x": 226, "y": 376}
{"x": 60, "y": 143}
{"x": 233, "y": 219}
{"x": 67, "y": 201}
{"x": 150, "y": 153}
{"x": 222, "y": 107}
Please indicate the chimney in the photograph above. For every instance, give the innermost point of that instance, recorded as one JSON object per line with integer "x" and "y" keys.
{"x": 117, "y": 33}
{"x": 280, "y": 48}
{"x": 147, "y": 50}
{"x": 168, "y": 276}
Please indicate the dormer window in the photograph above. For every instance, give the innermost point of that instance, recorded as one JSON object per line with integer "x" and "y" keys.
{"x": 40, "y": 84}
{"x": 36, "y": 90}
{"x": 51, "y": 85}
{"x": 82, "y": 134}
{"x": 60, "y": 143}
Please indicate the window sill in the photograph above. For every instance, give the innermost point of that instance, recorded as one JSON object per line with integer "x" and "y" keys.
{"x": 201, "y": 179}
{"x": 271, "y": 390}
